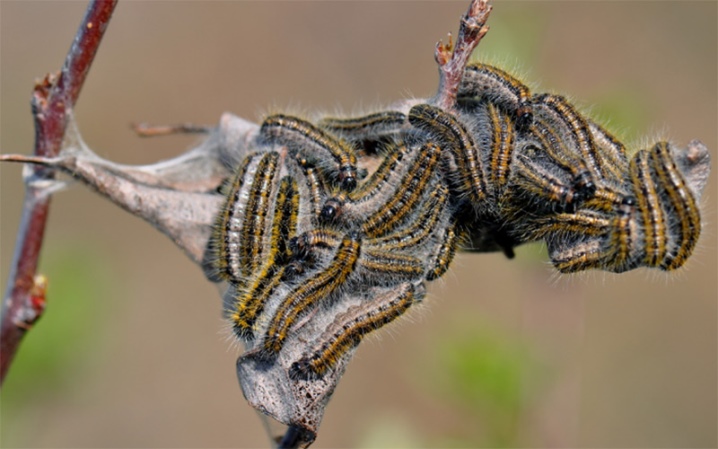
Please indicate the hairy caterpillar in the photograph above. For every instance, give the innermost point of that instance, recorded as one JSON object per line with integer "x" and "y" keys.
{"x": 514, "y": 167}
{"x": 496, "y": 167}
{"x": 604, "y": 197}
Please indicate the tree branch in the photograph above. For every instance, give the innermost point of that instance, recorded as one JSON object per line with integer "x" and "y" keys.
{"x": 452, "y": 58}
{"x": 52, "y": 102}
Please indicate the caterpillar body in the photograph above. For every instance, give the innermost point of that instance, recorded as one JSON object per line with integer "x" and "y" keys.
{"x": 302, "y": 228}
{"x": 353, "y": 216}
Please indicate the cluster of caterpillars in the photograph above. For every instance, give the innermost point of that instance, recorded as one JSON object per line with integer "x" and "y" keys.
{"x": 375, "y": 206}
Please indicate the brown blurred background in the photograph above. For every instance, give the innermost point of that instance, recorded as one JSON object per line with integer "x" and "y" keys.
{"x": 130, "y": 352}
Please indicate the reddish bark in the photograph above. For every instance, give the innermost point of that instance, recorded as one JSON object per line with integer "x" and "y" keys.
{"x": 52, "y": 100}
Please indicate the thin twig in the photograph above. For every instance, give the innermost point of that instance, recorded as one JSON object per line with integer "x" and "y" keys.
{"x": 452, "y": 58}
{"x": 146, "y": 130}
{"x": 52, "y": 100}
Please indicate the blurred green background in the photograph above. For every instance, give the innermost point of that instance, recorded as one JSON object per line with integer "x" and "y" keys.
{"x": 131, "y": 351}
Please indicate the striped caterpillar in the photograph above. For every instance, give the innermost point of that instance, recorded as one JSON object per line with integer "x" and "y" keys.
{"x": 504, "y": 168}
{"x": 331, "y": 227}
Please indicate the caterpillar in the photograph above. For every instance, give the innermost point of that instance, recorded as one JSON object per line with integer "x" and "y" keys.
{"x": 507, "y": 167}
{"x": 328, "y": 227}
{"x": 499, "y": 167}
{"x": 351, "y": 327}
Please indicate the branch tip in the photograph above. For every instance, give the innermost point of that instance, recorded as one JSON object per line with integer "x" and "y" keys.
{"x": 452, "y": 59}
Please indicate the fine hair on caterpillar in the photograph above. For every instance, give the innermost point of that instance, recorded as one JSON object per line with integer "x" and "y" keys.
{"x": 383, "y": 202}
{"x": 506, "y": 167}
{"x": 592, "y": 200}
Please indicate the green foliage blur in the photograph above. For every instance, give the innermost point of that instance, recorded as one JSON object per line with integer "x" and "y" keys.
{"x": 492, "y": 378}
{"x": 61, "y": 340}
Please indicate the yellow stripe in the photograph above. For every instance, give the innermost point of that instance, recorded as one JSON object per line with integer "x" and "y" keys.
{"x": 368, "y": 189}
{"x": 578, "y": 257}
{"x": 605, "y": 199}
{"x": 385, "y": 267}
{"x": 350, "y": 205}
{"x": 311, "y": 292}
{"x": 564, "y": 112}
{"x": 451, "y": 132}
{"x": 583, "y": 185}
{"x": 349, "y": 328}
{"x": 311, "y": 142}
{"x": 485, "y": 81}
{"x": 577, "y": 223}
{"x": 251, "y": 300}
{"x": 284, "y": 223}
{"x": 444, "y": 255}
{"x": 418, "y": 230}
{"x": 540, "y": 183}
{"x": 251, "y": 242}
{"x": 368, "y": 125}
{"x": 321, "y": 237}
{"x": 502, "y": 147}
{"x": 683, "y": 203}
{"x": 654, "y": 220}
{"x": 316, "y": 192}
{"x": 611, "y": 151}
{"x": 621, "y": 241}
{"x": 407, "y": 195}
